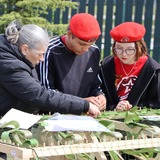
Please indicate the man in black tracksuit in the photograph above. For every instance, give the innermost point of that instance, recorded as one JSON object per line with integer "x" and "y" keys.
{"x": 71, "y": 62}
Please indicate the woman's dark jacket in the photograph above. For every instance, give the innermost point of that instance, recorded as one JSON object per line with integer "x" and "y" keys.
{"x": 20, "y": 88}
{"x": 146, "y": 90}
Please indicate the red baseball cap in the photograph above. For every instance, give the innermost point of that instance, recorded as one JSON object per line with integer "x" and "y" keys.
{"x": 85, "y": 26}
{"x": 128, "y": 32}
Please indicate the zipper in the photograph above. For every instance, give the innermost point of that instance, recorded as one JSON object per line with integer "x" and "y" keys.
{"x": 145, "y": 87}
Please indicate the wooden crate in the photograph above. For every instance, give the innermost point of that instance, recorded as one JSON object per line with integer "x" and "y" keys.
{"x": 149, "y": 138}
{"x": 58, "y": 152}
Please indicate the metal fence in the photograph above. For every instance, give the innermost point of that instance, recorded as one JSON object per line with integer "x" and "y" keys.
{"x": 112, "y": 12}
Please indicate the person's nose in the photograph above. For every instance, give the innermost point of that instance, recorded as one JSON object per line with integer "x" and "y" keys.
{"x": 124, "y": 52}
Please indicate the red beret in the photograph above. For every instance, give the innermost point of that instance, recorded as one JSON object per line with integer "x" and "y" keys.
{"x": 85, "y": 26}
{"x": 128, "y": 32}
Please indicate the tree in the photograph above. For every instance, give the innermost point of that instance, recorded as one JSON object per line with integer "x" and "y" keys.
{"x": 33, "y": 11}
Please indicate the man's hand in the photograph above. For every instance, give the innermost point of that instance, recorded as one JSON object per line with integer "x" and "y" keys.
{"x": 99, "y": 101}
{"x": 102, "y": 101}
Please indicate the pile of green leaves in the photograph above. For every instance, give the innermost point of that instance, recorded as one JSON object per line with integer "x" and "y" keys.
{"x": 38, "y": 136}
{"x": 11, "y": 134}
{"x": 131, "y": 118}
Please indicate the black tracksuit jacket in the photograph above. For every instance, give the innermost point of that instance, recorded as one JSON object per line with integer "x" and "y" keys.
{"x": 66, "y": 72}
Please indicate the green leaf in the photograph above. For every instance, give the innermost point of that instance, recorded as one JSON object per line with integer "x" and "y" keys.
{"x": 70, "y": 156}
{"x": 5, "y": 137}
{"x": 115, "y": 155}
{"x": 134, "y": 109}
{"x": 66, "y": 135}
{"x": 131, "y": 117}
{"x": 30, "y": 143}
{"x": 109, "y": 125}
{"x": 10, "y": 124}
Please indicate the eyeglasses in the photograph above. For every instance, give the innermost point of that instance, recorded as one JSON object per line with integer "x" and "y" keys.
{"x": 120, "y": 51}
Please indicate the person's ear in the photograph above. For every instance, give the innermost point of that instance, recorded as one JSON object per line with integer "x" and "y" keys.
{"x": 24, "y": 49}
{"x": 69, "y": 34}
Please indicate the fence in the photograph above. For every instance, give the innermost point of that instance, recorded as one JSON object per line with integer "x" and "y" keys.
{"x": 112, "y": 12}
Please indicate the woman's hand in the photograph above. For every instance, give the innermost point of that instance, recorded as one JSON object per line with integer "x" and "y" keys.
{"x": 123, "y": 106}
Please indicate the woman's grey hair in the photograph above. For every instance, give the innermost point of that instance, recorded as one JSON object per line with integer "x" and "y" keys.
{"x": 29, "y": 34}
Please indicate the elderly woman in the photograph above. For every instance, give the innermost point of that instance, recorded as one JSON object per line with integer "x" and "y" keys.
{"x": 21, "y": 49}
{"x": 130, "y": 76}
